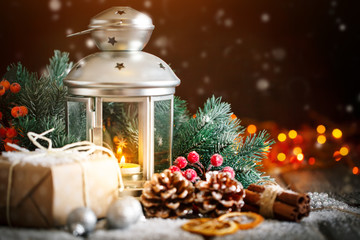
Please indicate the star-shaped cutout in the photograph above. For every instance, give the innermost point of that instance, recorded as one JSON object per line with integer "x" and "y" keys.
{"x": 120, "y": 12}
{"x": 120, "y": 66}
{"x": 112, "y": 41}
{"x": 162, "y": 66}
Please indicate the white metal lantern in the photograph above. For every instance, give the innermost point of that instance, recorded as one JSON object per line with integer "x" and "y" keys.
{"x": 122, "y": 97}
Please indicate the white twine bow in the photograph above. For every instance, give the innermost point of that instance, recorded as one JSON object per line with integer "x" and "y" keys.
{"x": 74, "y": 152}
{"x": 85, "y": 148}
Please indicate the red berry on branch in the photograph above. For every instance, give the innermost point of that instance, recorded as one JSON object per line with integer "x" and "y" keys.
{"x": 19, "y": 111}
{"x": 23, "y": 111}
{"x": 174, "y": 169}
{"x": 5, "y": 83}
{"x": 2, "y": 90}
{"x": 11, "y": 133}
{"x": 180, "y": 162}
{"x": 3, "y": 132}
{"x": 190, "y": 174}
{"x": 15, "y": 88}
{"x": 193, "y": 157}
{"x": 15, "y": 112}
{"x": 216, "y": 160}
{"x": 229, "y": 170}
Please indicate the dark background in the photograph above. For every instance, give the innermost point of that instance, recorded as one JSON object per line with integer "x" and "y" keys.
{"x": 288, "y": 61}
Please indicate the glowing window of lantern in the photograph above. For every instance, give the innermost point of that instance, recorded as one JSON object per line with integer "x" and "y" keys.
{"x": 162, "y": 134}
{"x": 121, "y": 129}
{"x": 78, "y": 115}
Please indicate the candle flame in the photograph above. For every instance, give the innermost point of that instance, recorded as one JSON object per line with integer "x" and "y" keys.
{"x": 122, "y": 159}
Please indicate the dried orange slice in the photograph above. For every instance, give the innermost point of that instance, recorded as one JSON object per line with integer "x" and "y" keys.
{"x": 244, "y": 220}
{"x": 210, "y": 227}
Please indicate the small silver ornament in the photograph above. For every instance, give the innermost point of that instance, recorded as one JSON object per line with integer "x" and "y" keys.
{"x": 124, "y": 212}
{"x": 81, "y": 221}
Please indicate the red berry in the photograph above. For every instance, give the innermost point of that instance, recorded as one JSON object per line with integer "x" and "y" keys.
{"x": 216, "y": 160}
{"x": 3, "y": 132}
{"x": 2, "y": 90}
{"x": 5, "y": 83}
{"x": 229, "y": 170}
{"x": 15, "y": 88}
{"x": 23, "y": 111}
{"x": 11, "y": 133}
{"x": 180, "y": 162}
{"x": 174, "y": 169}
{"x": 19, "y": 111}
{"x": 193, "y": 157}
{"x": 15, "y": 112}
{"x": 190, "y": 174}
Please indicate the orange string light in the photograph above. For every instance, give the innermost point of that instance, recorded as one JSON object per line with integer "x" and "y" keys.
{"x": 251, "y": 129}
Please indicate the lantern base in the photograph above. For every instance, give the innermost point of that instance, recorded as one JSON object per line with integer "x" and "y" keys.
{"x": 134, "y": 192}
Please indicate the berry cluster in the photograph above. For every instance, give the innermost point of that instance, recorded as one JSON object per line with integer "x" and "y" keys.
{"x": 7, "y": 132}
{"x": 193, "y": 159}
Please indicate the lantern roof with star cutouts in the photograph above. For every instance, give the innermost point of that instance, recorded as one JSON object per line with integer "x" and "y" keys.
{"x": 121, "y": 68}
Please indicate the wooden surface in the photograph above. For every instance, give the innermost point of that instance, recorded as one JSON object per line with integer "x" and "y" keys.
{"x": 338, "y": 182}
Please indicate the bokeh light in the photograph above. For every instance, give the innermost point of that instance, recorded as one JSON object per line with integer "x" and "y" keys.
{"x": 297, "y": 150}
{"x": 281, "y": 157}
{"x": 337, "y": 133}
{"x": 292, "y": 134}
{"x": 337, "y": 156}
{"x": 344, "y": 151}
{"x": 311, "y": 160}
{"x": 251, "y": 129}
{"x": 300, "y": 157}
{"x": 321, "y": 139}
{"x": 282, "y": 137}
{"x": 321, "y": 129}
{"x": 355, "y": 170}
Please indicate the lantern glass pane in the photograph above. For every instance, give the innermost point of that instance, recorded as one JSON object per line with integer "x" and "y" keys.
{"x": 77, "y": 120}
{"x": 121, "y": 130}
{"x": 162, "y": 135}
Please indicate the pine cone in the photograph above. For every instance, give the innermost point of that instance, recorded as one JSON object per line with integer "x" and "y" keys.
{"x": 167, "y": 195}
{"x": 219, "y": 194}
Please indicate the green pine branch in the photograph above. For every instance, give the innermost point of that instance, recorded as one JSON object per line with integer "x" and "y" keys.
{"x": 213, "y": 131}
{"x": 203, "y": 132}
{"x": 44, "y": 98}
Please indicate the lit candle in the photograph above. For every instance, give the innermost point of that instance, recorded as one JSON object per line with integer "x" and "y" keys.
{"x": 128, "y": 168}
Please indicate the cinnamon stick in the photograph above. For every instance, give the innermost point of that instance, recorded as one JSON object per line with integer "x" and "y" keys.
{"x": 287, "y": 197}
{"x": 279, "y": 208}
{"x": 290, "y": 207}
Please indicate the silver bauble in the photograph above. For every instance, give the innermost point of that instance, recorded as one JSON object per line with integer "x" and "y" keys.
{"x": 124, "y": 212}
{"x": 81, "y": 221}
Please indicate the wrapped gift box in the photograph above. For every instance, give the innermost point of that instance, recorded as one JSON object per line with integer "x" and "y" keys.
{"x": 43, "y": 196}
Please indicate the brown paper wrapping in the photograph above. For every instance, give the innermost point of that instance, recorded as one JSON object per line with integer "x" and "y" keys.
{"x": 44, "y": 196}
